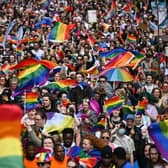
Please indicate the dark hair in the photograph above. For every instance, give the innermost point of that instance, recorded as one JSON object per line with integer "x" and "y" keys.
{"x": 54, "y": 133}
{"x": 29, "y": 143}
{"x": 106, "y": 152}
{"x": 68, "y": 131}
{"x": 104, "y": 77}
{"x": 61, "y": 93}
{"x": 79, "y": 73}
{"x": 120, "y": 153}
{"x": 153, "y": 146}
{"x": 153, "y": 90}
{"x": 47, "y": 137}
{"x": 105, "y": 131}
{"x": 42, "y": 114}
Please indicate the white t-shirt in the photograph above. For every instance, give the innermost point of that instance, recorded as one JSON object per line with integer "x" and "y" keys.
{"x": 38, "y": 54}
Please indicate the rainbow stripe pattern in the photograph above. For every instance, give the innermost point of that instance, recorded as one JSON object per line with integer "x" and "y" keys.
{"x": 113, "y": 103}
{"x": 93, "y": 70}
{"x": 60, "y": 32}
{"x": 11, "y": 149}
{"x": 111, "y": 12}
{"x": 44, "y": 3}
{"x": 159, "y": 134}
{"x": 60, "y": 85}
{"x": 5, "y": 68}
{"x": 36, "y": 74}
{"x": 131, "y": 39}
{"x": 43, "y": 157}
{"x": 32, "y": 100}
{"x": 99, "y": 125}
{"x": 141, "y": 106}
{"x": 128, "y": 109}
{"x": 19, "y": 51}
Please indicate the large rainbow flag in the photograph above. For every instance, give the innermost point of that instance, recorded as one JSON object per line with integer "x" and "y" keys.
{"x": 35, "y": 75}
{"x": 113, "y": 103}
{"x": 111, "y": 12}
{"x": 60, "y": 32}
{"x": 32, "y": 100}
{"x": 11, "y": 155}
{"x": 159, "y": 134}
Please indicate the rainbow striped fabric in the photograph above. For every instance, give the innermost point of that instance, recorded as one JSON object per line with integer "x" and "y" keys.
{"x": 60, "y": 32}
{"x": 5, "y": 68}
{"x": 19, "y": 51}
{"x": 60, "y": 85}
{"x": 32, "y": 100}
{"x": 128, "y": 109}
{"x": 11, "y": 155}
{"x": 112, "y": 104}
{"x": 93, "y": 70}
{"x": 141, "y": 106}
{"x": 159, "y": 134}
{"x": 131, "y": 38}
{"x": 111, "y": 12}
{"x": 99, "y": 125}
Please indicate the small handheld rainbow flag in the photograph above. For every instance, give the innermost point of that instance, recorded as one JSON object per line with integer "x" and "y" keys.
{"x": 60, "y": 32}
{"x": 19, "y": 51}
{"x": 131, "y": 39}
{"x": 99, "y": 125}
{"x": 5, "y": 68}
{"x": 93, "y": 70}
{"x": 31, "y": 100}
{"x": 113, "y": 103}
{"x": 128, "y": 109}
{"x": 141, "y": 106}
{"x": 159, "y": 134}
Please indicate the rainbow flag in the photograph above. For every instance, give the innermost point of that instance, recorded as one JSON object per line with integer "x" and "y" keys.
{"x": 5, "y": 68}
{"x": 111, "y": 54}
{"x": 154, "y": 70}
{"x": 60, "y": 32}
{"x": 131, "y": 39}
{"x": 12, "y": 39}
{"x": 1, "y": 38}
{"x": 93, "y": 70}
{"x": 31, "y": 100}
{"x": 35, "y": 75}
{"x": 128, "y": 7}
{"x": 99, "y": 125}
{"x": 120, "y": 60}
{"x": 128, "y": 109}
{"x": 113, "y": 103}
{"x": 111, "y": 12}
{"x": 159, "y": 134}
{"x": 141, "y": 106}
{"x": 60, "y": 85}
{"x": 19, "y": 51}
{"x": 91, "y": 41}
{"x": 11, "y": 155}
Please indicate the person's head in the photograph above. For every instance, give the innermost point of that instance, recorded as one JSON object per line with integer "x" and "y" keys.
{"x": 56, "y": 137}
{"x": 119, "y": 155}
{"x": 79, "y": 77}
{"x": 165, "y": 87}
{"x": 44, "y": 91}
{"x": 32, "y": 114}
{"x": 47, "y": 100}
{"x": 121, "y": 131}
{"x": 79, "y": 59}
{"x": 43, "y": 160}
{"x": 102, "y": 80}
{"x": 71, "y": 109}
{"x": 146, "y": 150}
{"x": 63, "y": 96}
{"x": 149, "y": 78}
{"x": 57, "y": 77}
{"x": 116, "y": 113}
{"x": 40, "y": 119}
{"x": 48, "y": 142}
{"x": 36, "y": 46}
{"x": 138, "y": 118}
{"x": 156, "y": 92}
{"x": 154, "y": 154}
{"x": 85, "y": 104}
{"x": 59, "y": 153}
{"x": 130, "y": 120}
{"x": 106, "y": 155}
{"x": 2, "y": 80}
{"x": 68, "y": 136}
{"x": 30, "y": 150}
{"x": 106, "y": 136}
{"x": 73, "y": 163}
{"x": 13, "y": 83}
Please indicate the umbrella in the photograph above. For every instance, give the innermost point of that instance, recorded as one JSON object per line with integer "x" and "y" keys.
{"x": 117, "y": 74}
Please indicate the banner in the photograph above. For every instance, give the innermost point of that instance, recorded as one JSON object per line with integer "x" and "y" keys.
{"x": 92, "y": 16}
{"x": 57, "y": 122}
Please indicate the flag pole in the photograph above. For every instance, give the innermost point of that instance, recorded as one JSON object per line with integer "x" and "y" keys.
{"x": 24, "y": 101}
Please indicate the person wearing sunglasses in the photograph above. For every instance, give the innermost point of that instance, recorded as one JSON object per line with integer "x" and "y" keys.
{"x": 43, "y": 160}
{"x": 104, "y": 84}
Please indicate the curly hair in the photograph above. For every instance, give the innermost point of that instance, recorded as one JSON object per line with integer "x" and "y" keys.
{"x": 96, "y": 142}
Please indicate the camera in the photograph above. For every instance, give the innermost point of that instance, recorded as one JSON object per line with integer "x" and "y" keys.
{"x": 71, "y": 110}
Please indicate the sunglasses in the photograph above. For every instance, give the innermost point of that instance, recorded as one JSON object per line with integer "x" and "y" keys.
{"x": 102, "y": 81}
{"x": 43, "y": 163}
{"x": 106, "y": 137}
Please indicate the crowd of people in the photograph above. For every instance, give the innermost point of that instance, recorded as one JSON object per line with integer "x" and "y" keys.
{"x": 124, "y": 141}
